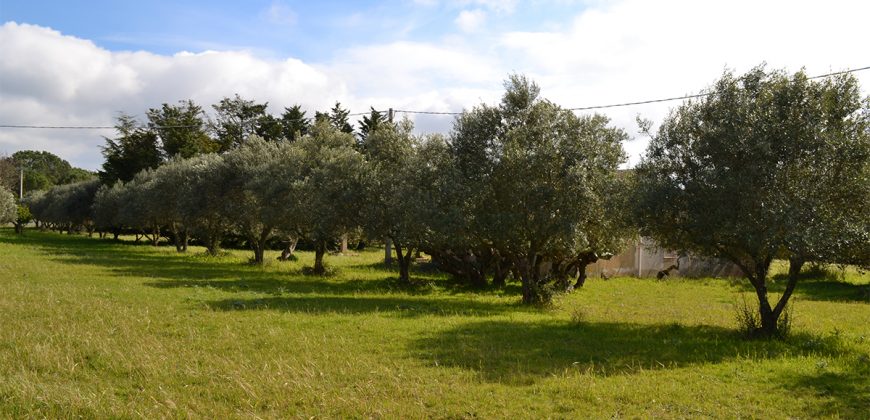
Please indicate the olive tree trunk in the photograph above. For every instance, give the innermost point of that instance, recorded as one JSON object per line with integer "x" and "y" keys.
{"x": 288, "y": 250}
{"x": 404, "y": 262}
{"x": 319, "y": 251}
{"x": 770, "y": 315}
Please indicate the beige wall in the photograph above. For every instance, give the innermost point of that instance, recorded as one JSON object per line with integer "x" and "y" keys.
{"x": 645, "y": 259}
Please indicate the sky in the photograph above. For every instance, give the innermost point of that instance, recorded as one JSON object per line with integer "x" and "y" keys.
{"x": 82, "y": 63}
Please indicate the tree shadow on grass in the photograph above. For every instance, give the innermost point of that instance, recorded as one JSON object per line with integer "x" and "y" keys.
{"x": 422, "y": 273}
{"x": 844, "y": 394}
{"x": 172, "y": 270}
{"x": 518, "y": 353}
{"x": 829, "y": 290}
{"x": 277, "y": 285}
{"x": 393, "y": 305}
{"x": 824, "y": 289}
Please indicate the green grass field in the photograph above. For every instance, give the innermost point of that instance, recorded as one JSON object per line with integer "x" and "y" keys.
{"x": 95, "y": 328}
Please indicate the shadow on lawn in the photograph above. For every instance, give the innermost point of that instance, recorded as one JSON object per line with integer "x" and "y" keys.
{"x": 520, "y": 353}
{"x": 845, "y": 394}
{"x": 398, "y": 305}
{"x": 816, "y": 289}
{"x": 172, "y": 270}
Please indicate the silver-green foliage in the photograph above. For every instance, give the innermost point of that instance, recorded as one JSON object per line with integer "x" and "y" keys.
{"x": 766, "y": 166}
{"x": 8, "y": 207}
{"x": 333, "y": 184}
{"x": 68, "y": 206}
{"x": 536, "y": 180}
{"x": 403, "y": 193}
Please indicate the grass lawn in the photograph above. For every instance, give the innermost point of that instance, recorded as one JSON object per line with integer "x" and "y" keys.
{"x": 95, "y": 328}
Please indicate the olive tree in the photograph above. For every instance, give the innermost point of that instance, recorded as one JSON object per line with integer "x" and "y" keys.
{"x": 248, "y": 201}
{"x": 333, "y": 187}
{"x": 67, "y": 206}
{"x": 201, "y": 200}
{"x": 281, "y": 182}
{"x": 108, "y": 202}
{"x": 536, "y": 177}
{"x": 145, "y": 206}
{"x": 8, "y": 208}
{"x": 402, "y": 193}
{"x": 765, "y": 166}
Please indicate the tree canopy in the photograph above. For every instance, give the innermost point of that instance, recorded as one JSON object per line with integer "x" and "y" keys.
{"x": 42, "y": 170}
{"x": 765, "y": 166}
{"x": 181, "y": 129}
{"x": 8, "y": 207}
{"x": 134, "y": 150}
{"x": 535, "y": 179}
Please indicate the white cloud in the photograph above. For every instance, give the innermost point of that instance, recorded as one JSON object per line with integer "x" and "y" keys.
{"x": 471, "y": 20}
{"x": 611, "y": 52}
{"x": 62, "y": 80}
{"x": 635, "y": 50}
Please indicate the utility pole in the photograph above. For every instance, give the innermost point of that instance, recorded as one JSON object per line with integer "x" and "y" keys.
{"x": 640, "y": 257}
{"x": 388, "y": 243}
{"x": 21, "y": 185}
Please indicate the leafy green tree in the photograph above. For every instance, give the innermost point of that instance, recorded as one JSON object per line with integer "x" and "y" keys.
{"x": 78, "y": 175}
{"x": 8, "y": 174}
{"x": 34, "y": 180}
{"x": 43, "y": 170}
{"x": 338, "y": 118}
{"x": 334, "y": 187}
{"x": 765, "y": 166}
{"x": 67, "y": 207}
{"x": 404, "y": 189}
{"x": 236, "y": 120}
{"x": 23, "y": 218}
{"x": 8, "y": 208}
{"x": 368, "y": 124}
{"x": 134, "y": 150}
{"x": 294, "y": 123}
{"x": 202, "y": 200}
{"x": 249, "y": 198}
{"x": 534, "y": 176}
{"x": 270, "y": 128}
{"x": 182, "y": 129}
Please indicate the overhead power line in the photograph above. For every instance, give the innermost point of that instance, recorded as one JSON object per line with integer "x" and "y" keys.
{"x": 406, "y": 111}
{"x": 699, "y": 95}
{"x": 67, "y": 127}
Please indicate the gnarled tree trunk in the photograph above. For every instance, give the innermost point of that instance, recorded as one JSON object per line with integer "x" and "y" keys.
{"x": 404, "y": 263}
{"x": 288, "y": 250}
{"x": 319, "y": 251}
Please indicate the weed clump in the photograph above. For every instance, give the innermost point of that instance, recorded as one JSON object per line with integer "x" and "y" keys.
{"x": 749, "y": 321}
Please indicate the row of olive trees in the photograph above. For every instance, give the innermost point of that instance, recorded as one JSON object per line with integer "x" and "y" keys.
{"x": 65, "y": 207}
{"x": 523, "y": 188}
{"x": 764, "y": 166}
{"x": 310, "y": 188}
